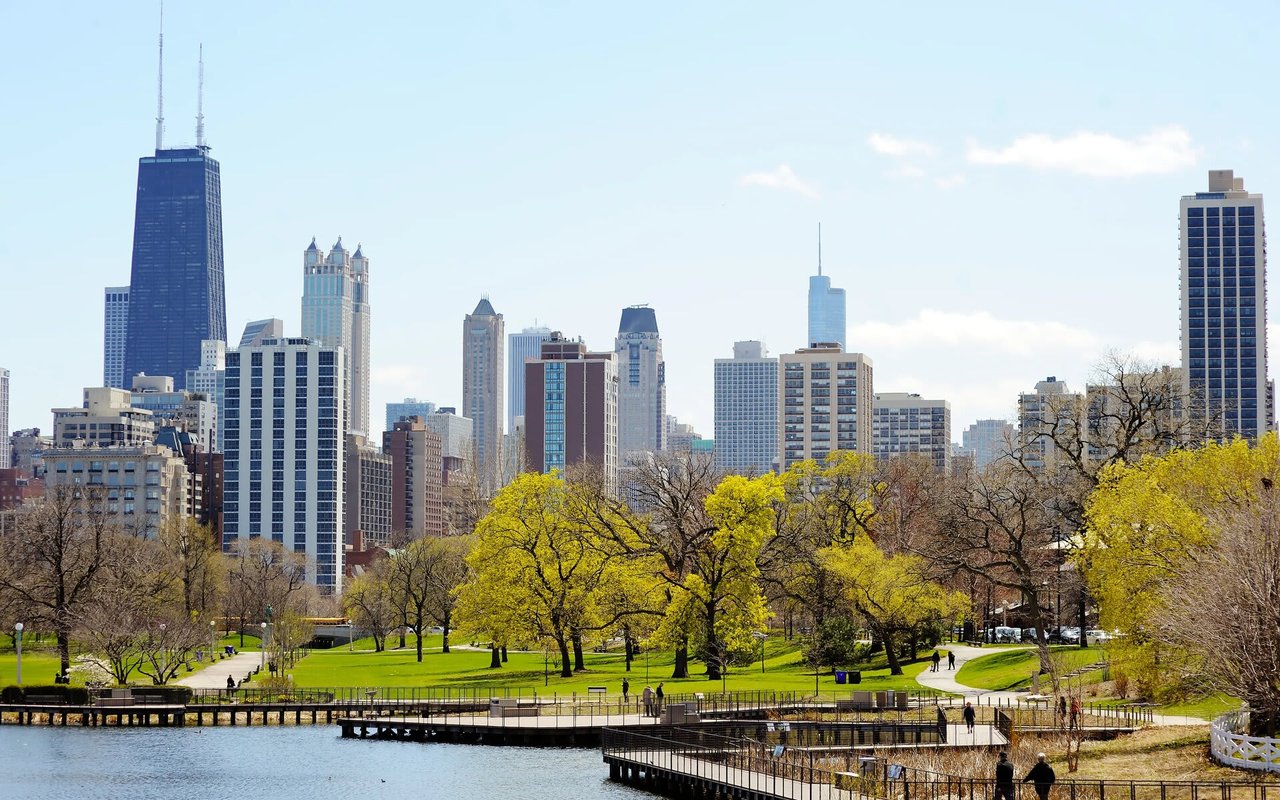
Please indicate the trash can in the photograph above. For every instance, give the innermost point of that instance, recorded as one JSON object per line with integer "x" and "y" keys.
{"x": 855, "y": 676}
{"x": 840, "y": 676}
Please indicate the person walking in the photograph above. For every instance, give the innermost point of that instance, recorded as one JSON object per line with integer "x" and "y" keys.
{"x": 936, "y": 660}
{"x": 970, "y": 716}
{"x": 1075, "y": 713}
{"x": 647, "y": 697}
{"x": 626, "y": 687}
{"x": 1004, "y": 778}
{"x": 1041, "y": 776}
{"x": 1062, "y": 709}
{"x": 657, "y": 696}
{"x": 951, "y": 659}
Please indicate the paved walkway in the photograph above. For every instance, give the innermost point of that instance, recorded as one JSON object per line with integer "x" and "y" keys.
{"x": 214, "y": 676}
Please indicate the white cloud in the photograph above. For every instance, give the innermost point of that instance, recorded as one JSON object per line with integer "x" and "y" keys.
{"x": 782, "y": 177}
{"x": 949, "y": 181}
{"x": 977, "y": 331}
{"x": 1166, "y": 149}
{"x": 887, "y": 145}
{"x": 907, "y": 171}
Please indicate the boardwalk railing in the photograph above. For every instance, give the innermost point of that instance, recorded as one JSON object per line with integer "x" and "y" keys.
{"x": 1231, "y": 746}
{"x": 915, "y": 784}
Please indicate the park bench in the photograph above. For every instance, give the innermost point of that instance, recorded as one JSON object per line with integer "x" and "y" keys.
{"x": 597, "y": 692}
{"x": 501, "y": 708}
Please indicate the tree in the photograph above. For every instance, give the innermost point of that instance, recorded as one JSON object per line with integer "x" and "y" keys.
{"x": 132, "y": 590}
{"x": 166, "y": 644}
{"x": 195, "y": 561}
{"x": 262, "y": 574}
{"x": 368, "y": 601}
{"x": 892, "y": 592}
{"x": 425, "y": 573}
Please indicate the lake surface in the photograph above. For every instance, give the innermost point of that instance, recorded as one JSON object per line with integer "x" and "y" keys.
{"x": 310, "y": 762}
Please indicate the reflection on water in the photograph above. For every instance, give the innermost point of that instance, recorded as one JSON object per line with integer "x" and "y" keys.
{"x": 307, "y": 762}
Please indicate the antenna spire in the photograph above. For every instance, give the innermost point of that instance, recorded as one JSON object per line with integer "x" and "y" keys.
{"x": 819, "y": 248}
{"x": 200, "y": 103}
{"x": 160, "y": 90}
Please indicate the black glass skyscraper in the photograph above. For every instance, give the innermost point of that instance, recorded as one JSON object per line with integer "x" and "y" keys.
{"x": 176, "y": 286}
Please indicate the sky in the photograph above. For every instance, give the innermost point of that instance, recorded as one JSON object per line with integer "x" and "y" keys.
{"x": 997, "y": 184}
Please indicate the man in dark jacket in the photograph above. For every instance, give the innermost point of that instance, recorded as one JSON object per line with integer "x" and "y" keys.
{"x": 1041, "y": 775}
{"x": 1004, "y": 778}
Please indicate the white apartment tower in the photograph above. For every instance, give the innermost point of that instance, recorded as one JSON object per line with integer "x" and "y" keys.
{"x": 115, "y": 327}
{"x": 6, "y": 455}
{"x": 335, "y": 312}
{"x": 825, "y": 397}
{"x": 482, "y": 395}
{"x": 746, "y": 410}
{"x": 908, "y": 423}
{"x": 642, "y": 383}
{"x": 1224, "y": 306}
{"x": 285, "y": 438}
{"x": 1050, "y": 407}
{"x": 521, "y": 346}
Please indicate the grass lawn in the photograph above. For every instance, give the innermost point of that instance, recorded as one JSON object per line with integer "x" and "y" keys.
{"x": 784, "y": 670}
{"x": 40, "y": 662}
{"x": 1207, "y": 708}
{"x": 1012, "y": 669}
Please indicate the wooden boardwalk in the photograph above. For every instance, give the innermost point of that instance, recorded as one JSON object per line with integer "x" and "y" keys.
{"x": 677, "y": 775}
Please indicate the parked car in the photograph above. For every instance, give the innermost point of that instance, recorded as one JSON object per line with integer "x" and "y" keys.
{"x": 1006, "y": 635}
{"x": 1097, "y": 636}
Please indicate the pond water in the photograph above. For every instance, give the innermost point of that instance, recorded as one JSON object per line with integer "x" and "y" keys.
{"x": 304, "y": 762}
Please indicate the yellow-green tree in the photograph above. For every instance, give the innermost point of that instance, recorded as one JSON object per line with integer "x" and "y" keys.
{"x": 892, "y": 592}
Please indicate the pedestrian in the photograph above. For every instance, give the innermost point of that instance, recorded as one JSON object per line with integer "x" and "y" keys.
{"x": 1004, "y": 778}
{"x": 1041, "y": 776}
{"x": 231, "y": 683}
{"x": 657, "y": 695}
{"x": 1062, "y": 709}
{"x": 936, "y": 659}
{"x": 951, "y": 659}
{"x": 626, "y": 687}
{"x": 648, "y": 701}
{"x": 1075, "y": 712}
{"x": 970, "y": 716}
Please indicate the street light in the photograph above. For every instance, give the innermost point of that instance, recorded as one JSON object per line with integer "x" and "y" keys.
{"x": 213, "y": 638}
{"x": 262, "y": 643}
{"x": 163, "y": 655}
{"x": 761, "y": 635}
{"x": 17, "y": 638}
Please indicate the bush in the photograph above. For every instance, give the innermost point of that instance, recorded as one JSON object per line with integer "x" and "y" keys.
{"x": 71, "y": 695}
{"x": 11, "y": 695}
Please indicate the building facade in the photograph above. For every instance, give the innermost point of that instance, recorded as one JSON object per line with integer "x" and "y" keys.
{"x": 826, "y": 311}
{"x": 456, "y": 434}
{"x": 825, "y": 398}
{"x": 520, "y": 346}
{"x": 908, "y": 423}
{"x": 571, "y": 409}
{"x": 1224, "y": 307}
{"x": 746, "y": 410}
{"x": 335, "y": 312}
{"x": 142, "y": 485}
{"x": 411, "y": 407}
{"x": 987, "y": 441}
{"x": 115, "y": 331}
{"x": 261, "y": 329}
{"x": 368, "y": 488}
{"x": 186, "y": 411}
{"x": 1041, "y": 413}
{"x": 417, "y": 470}
{"x": 285, "y": 440}
{"x": 107, "y": 417}
{"x": 6, "y": 451}
{"x": 642, "y": 383}
{"x": 27, "y": 451}
{"x": 176, "y": 295}
{"x": 483, "y": 344}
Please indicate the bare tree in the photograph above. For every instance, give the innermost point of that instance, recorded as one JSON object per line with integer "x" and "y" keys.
{"x": 195, "y": 561}
{"x": 369, "y": 602}
{"x": 261, "y": 574}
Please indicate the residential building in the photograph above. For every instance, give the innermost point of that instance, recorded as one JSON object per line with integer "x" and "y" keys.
{"x": 680, "y": 436}
{"x": 482, "y": 374}
{"x": 27, "y": 451}
{"x": 106, "y": 418}
{"x": 205, "y": 478}
{"x": 908, "y": 423}
{"x": 176, "y": 297}
{"x": 642, "y": 383}
{"x": 571, "y": 409}
{"x": 987, "y": 441}
{"x": 746, "y": 410}
{"x": 417, "y": 469}
{"x": 6, "y": 450}
{"x": 411, "y": 407}
{"x": 521, "y": 346}
{"x": 186, "y": 411}
{"x": 208, "y": 380}
{"x": 336, "y": 313}
{"x": 1224, "y": 307}
{"x": 1052, "y": 408}
{"x": 285, "y": 441}
{"x": 812, "y": 425}
{"x": 260, "y": 330}
{"x": 115, "y": 330}
{"x": 368, "y": 488}
{"x": 16, "y": 490}
{"x": 141, "y": 484}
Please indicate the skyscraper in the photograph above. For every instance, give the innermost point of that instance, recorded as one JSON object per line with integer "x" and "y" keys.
{"x": 642, "y": 383}
{"x": 115, "y": 328}
{"x": 285, "y": 439}
{"x": 417, "y": 478}
{"x": 988, "y": 440}
{"x": 335, "y": 312}
{"x": 812, "y": 425}
{"x": 6, "y": 455}
{"x": 1224, "y": 306}
{"x": 482, "y": 373}
{"x": 520, "y": 346}
{"x": 826, "y": 307}
{"x": 907, "y": 423}
{"x": 746, "y": 410}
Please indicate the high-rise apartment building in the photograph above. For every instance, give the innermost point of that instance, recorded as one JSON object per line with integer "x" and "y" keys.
{"x": 825, "y": 396}
{"x": 208, "y": 380}
{"x": 988, "y": 440}
{"x": 746, "y": 410}
{"x": 1224, "y": 306}
{"x": 6, "y": 454}
{"x": 482, "y": 374}
{"x": 285, "y": 441}
{"x": 335, "y": 312}
{"x": 417, "y": 469}
{"x": 456, "y": 434}
{"x": 571, "y": 409}
{"x": 368, "y": 488}
{"x": 107, "y": 417}
{"x": 642, "y": 383}
{"x": 411, "y": 407}
{"x": 908, "y": 423}
{"x": 176, "y": 297}
{"x": 520, "y": 346}
{"x": 1052, "y": 407}
{"x": 115, "y": 330}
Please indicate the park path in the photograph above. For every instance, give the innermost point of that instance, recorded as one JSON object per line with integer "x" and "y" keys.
{"x": 214, "y": 676}
{"x": 944, "y": 681}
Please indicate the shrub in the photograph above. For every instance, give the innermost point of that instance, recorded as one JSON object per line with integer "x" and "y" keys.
{"x": 11, "y": 694}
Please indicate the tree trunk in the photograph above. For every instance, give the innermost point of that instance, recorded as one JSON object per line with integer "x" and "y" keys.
{"x": 495, "y": 661}
{"x": 626, "y": 649}
{"x": 504, "y": 654}
{"x": 876, "y": 642}
{"x": 579, "y": 663}
{"x": 444, "y": 648}
{"x": 682, "y": 660}
{"x": 64, "y": 650}
{"x": 891, "y": 652}
{"x": 566, "y": 670}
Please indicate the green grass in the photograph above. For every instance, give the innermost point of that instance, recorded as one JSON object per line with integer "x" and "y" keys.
{"x": 1208, "y": 707}
{"x": 1012, "y": 669}
{"x": 40, "y": 662}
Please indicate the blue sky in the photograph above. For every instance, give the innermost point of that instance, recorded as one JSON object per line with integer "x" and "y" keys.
{"x": 998, "y": 184}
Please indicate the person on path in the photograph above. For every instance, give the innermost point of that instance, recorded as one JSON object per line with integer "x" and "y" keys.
{"x": 648, "y": 701}
{"x": 658, "y": 699}
{"x": 1004, "y": 778}
{"x": 231, "y": 684}
{"x": 1075, "y": 713}
{"x": 1041, "y": 776}
{"x": 936, "y": 660}
{"x": 1062, "y": 709}
{"x": 626, "y": 687}
{"x": 970, "y": 716}
{"x": 951, "y": 659}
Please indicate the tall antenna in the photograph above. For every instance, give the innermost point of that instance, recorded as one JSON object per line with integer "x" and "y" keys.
{"x": 160, "y": 91}
{"x": 819, "y": 248}
{"x": 200, "y": 104}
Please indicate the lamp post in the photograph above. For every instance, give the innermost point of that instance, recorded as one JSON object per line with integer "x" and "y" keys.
{"x": 213, "y": 638}
{"x": 263, "y": 645}
{"x": 164, "y": 655}
{"x": 761, "y": 635}
{"x": 17, "y": 638}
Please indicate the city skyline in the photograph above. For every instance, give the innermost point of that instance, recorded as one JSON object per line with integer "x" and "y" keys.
{"x": 749, "y": 190}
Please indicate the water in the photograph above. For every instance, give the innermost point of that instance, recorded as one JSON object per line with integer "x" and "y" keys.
{"x": 291, "y": 762}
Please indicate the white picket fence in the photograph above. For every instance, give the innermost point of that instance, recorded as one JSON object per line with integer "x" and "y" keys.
{"x": 1235, "y": 749}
